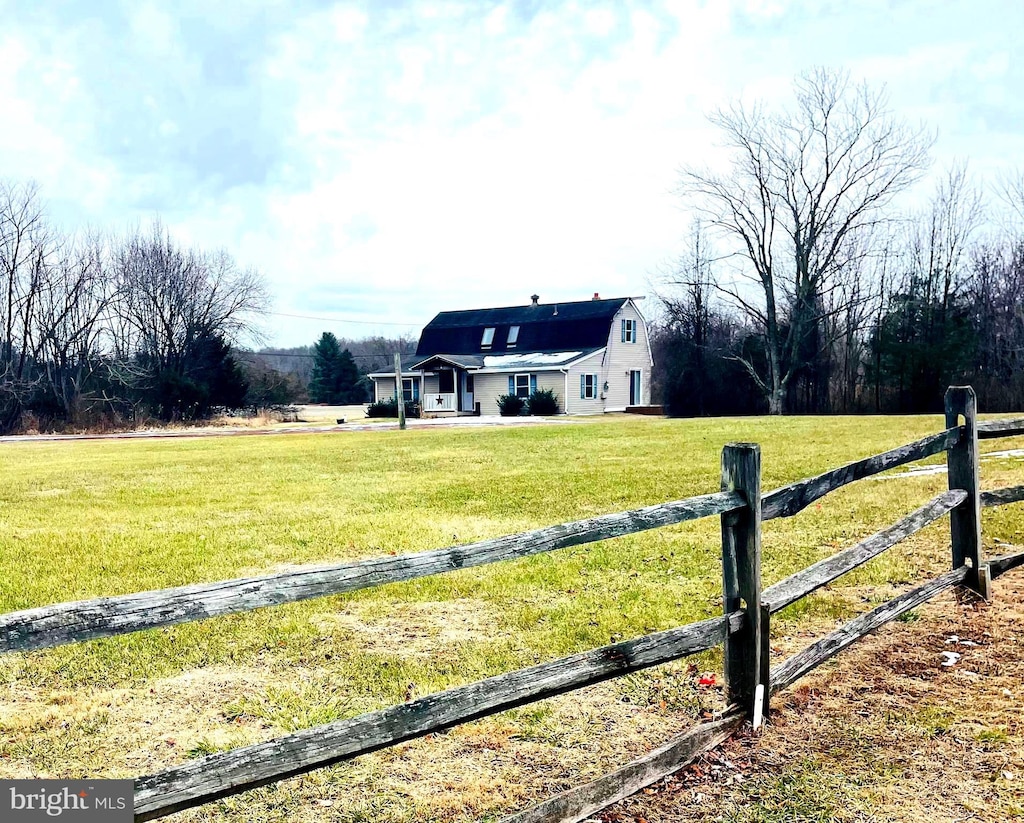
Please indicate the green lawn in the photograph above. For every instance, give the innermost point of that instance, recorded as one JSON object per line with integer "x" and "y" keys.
{"x": 89, "y": 518}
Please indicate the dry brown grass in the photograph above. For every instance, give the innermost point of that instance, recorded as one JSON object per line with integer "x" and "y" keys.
{"x": 885, "y": 732}
{"x": 101, "y": 518}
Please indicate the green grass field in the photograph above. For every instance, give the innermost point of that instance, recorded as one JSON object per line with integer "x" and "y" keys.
{"x": 82, "y": 519}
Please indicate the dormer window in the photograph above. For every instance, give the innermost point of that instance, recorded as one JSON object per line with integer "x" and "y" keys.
{"x": 513, "y": 337}
{"x": 488, "y": 338}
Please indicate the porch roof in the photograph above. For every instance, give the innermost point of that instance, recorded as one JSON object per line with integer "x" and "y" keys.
{"x": 463, "y": 361}
{"x": 491, "y": 363}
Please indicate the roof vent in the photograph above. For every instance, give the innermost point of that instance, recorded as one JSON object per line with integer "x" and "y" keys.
{"x": 536, "y": 299}
{"x": 596, "y": 296}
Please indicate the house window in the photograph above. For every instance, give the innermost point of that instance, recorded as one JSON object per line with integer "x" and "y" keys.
{"x": 629, "y": 331}
{"x": 469, "y": 384}
{"x": 513, "y": 336}
{"x": 488, "y": 338}
{"x": 588, "y": 387}
{"x": 522, "y": 385}
{"x": 410, "y": 390}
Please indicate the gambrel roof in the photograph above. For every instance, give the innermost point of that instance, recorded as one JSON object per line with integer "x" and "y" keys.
{"x": 543, "y": 327}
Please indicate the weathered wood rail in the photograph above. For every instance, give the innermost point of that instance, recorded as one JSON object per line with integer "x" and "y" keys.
{"x": 743, "y": 628}
{"x": 825, "y": 571}
{"x": 219, "y": 775}
{"x": 107, "y": 616}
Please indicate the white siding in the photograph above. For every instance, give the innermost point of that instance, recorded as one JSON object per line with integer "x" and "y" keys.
{"x": 488, "y": 387}
{"x": 591, "y": 365}
{"x": 383, "y": 388}
{"x": 621, "y": 358}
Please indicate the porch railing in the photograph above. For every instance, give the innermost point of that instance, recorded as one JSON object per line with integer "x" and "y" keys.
{"x": 439, "y": 402}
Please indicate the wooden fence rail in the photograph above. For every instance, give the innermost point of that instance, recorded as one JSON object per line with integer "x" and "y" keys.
{"x": 219, "y": 775}
{"x": 1001, "y": 428}
{"x": 825, "y": 571}
{"x": 106, "y": 616}
{"x": 744, "y": 627}
{"x": 583, "y": 801}
{"x": 1000, "y": 497}
{"x": 830, "y": 645}
{"x": 794, "y": 498}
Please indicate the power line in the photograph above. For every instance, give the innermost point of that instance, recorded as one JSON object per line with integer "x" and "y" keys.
{"x": 341, "y": 320}
{"x": 311, "y": 356}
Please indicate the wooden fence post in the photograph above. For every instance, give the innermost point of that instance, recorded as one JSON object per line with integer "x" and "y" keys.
{"x": 962, "y": 465}
{"x": 746, "y": 658}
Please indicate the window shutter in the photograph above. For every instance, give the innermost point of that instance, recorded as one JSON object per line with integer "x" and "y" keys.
{"x": 415, "y": 390}
{"x": 511, "y": 384}
{"x": 583, "y": 386}
{"x": 623, "y": 331}
{"x": 533, "y": 383}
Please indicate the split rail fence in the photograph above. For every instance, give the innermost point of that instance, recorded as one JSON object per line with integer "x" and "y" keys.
{"x": 743, "y": 627}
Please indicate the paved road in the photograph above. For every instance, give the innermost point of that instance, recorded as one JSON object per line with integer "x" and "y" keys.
{"x": 227, "y": 431}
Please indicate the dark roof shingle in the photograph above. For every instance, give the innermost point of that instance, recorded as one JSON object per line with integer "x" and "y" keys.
{"x": 542, "y": 327}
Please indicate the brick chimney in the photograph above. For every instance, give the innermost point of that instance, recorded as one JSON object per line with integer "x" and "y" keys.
{"x": 596, "y": 296}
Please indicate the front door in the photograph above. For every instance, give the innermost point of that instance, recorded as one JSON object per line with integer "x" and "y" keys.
{"x": 634, "y": 387}
{"x": 447, "y": 398}
{"x": 466, "y": 399}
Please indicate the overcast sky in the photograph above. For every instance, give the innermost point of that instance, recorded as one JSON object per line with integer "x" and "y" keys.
{"x": 383, "y": 161}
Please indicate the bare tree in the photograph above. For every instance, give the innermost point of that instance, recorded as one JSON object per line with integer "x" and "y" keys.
{"x": 804, "y": 185}
{"x": 925, "y": 337}
{"x": 169, "y": 297}
{"x": 686, "y": 295}
{"x": 25, "y": 253}
{"x": 173, "y": 303}
{"x": 71, "y": 321}
{"x": 1010, "y": 192}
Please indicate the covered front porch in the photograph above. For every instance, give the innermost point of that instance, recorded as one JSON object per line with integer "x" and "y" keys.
{"x": 448, "y": 388}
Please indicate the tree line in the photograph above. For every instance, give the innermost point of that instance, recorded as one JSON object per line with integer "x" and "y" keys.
{"x": 102, "y": 328}
{"x": 99, "y": 329}
{"x": 809, "y": 286}
{"x": 331, "y": 371}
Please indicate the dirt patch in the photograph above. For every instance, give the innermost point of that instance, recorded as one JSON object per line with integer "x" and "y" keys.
{"x": 138, "y": 730}
{"x": 885, "y": 732}
{"x": 414, "y": 629}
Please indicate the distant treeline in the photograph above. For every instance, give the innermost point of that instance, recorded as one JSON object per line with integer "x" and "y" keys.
{"x": 99, "y": 329}
{"x": 286, "y": 375}
{"x": 935, "y": 301}
{"x": 809, "y": 288}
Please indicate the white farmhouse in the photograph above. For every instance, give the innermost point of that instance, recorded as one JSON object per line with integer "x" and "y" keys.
{"x": 593, "y": 354}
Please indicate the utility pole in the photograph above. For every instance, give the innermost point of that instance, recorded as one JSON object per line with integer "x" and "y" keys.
{"x": 399, "y": 396}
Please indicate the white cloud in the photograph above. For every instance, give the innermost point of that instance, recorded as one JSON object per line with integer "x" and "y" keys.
{"x": 154, "y": 27}
{"x": 443, "y": 155}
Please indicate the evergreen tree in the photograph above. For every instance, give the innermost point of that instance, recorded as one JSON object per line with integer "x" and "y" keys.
{"x": 210, "y": 378}
{"x": 336, "y": 379}
{"x": 348, "y": 380}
